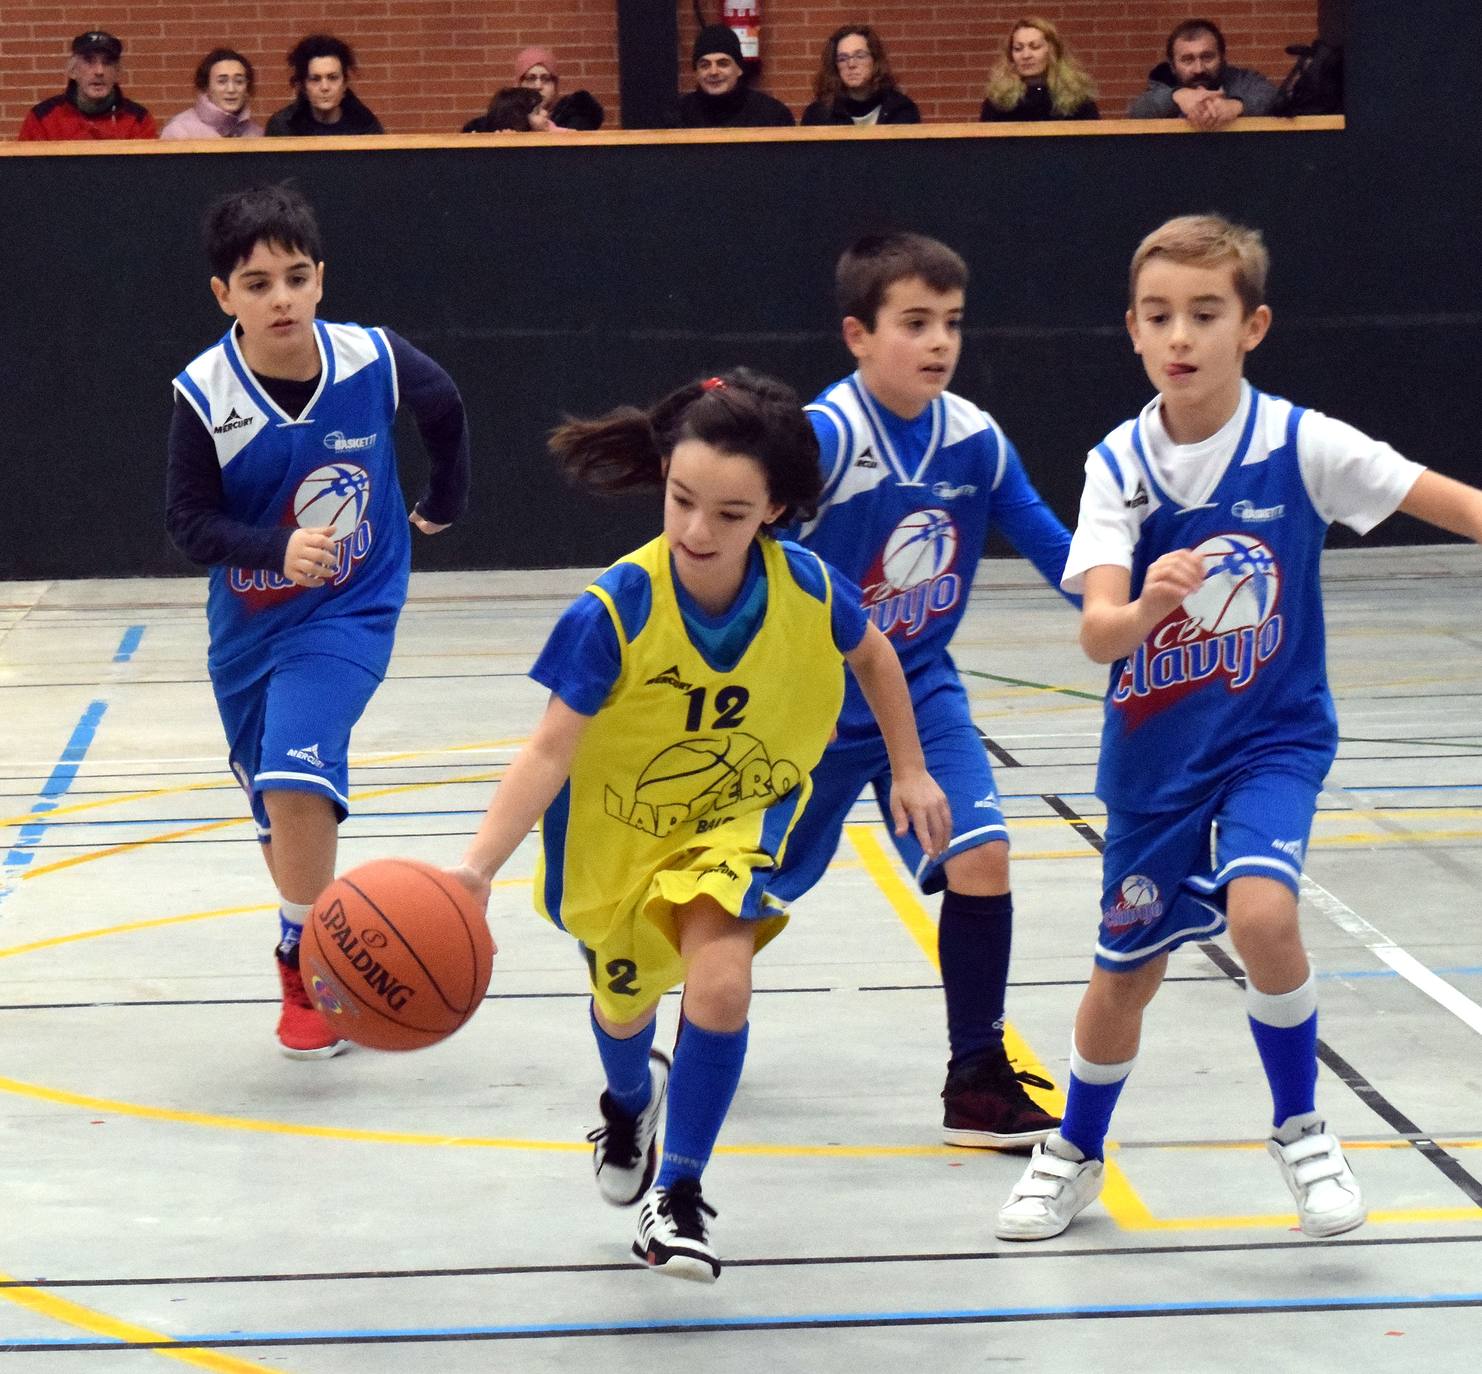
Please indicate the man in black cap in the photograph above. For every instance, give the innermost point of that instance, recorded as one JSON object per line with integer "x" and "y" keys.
{"x": 93, "y": 105}
{"x": 721, "y": 98}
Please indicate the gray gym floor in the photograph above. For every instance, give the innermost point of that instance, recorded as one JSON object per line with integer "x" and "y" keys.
{"x": 176, "y": 1191}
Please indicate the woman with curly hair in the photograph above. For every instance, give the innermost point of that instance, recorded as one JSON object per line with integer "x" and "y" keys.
{"x": 854, "y": 83}
{"x": 1038, "y": 78}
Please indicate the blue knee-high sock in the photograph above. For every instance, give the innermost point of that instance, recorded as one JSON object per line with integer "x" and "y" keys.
{"x": 625, "y": 1062}
{"x": 973, "y": 939}
{"x": 707, "y": 1068}
{"x": 1090, "y": 1101}
{"x": 1285, "y": 1027}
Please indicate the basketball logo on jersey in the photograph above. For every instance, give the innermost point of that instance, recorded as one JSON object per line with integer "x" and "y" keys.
{"x": 1225, "y": 629}
{"x": 334, "y": 496}
{"x": 707, "y": 780}
{"x": 913, "y": 578}
{"x": 1137, "y": 902}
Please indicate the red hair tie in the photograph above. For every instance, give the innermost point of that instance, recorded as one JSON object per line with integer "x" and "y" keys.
{"x": 711, "y": 383}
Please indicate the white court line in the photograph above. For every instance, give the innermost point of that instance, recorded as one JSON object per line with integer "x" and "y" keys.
{"x": 1382, "y": 947}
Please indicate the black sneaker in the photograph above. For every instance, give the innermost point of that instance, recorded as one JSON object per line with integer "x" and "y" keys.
{"x": 988, "y": 1109}
{"x": 624, "y": 1155}
{"x": 672, "y": 1235}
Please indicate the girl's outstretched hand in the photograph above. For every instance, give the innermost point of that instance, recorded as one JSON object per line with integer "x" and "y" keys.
{"x": 916, "y": 801}
{"x": 471, "y": 879}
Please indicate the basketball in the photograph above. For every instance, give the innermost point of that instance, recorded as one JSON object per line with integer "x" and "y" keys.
{"x": 921, "y": 547}
{"x": 683, "y": 773}
{"x": 1241, "y": 582}
{"x": 396, "y": 954}
{"x": 335, "y": 494}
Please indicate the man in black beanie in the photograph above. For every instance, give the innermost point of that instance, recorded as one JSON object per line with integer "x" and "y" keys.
{"x": 721, "y": 98}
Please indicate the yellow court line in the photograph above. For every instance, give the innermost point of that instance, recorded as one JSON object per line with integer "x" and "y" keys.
{"x": 1117, "y": 1194}
{"x": 100, "y": 1324}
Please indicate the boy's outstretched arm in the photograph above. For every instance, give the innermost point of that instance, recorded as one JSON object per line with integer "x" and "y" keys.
{"x": 1445, "y": 503}
{"x": 529, "y": 786}
{"x": 432, "y": 397}
{"x": 915, "y": 798}
{"x": 1113, "y": 626}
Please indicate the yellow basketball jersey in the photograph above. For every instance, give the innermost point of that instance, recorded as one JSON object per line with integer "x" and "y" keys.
{"x": 683, "y": 756}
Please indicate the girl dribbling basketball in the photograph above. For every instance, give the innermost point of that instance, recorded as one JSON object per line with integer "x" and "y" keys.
{"x": 694, "y": 686}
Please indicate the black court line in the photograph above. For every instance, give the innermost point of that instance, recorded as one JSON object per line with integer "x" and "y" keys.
{"x": 1365, "y": 1091}
{"x": 996, "y": 750}
{"x": 1113, "y": 1252}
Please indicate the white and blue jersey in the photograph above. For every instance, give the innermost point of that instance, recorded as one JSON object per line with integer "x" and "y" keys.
{"x": 332, "y": 465}
{"x": 906, "y": 512}
{"x": 1219, "y": 727}
{"x": 1237, "y": 672}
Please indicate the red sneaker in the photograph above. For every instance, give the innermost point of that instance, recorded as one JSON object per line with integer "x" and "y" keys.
{"x": 303, "y": 1033}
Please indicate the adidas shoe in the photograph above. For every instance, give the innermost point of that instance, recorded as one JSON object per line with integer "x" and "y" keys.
{"x": 1053, "y": 1190}
{"x": 987, "y": 1108}
{"x": 303, "y": 1033}
{"x": 1328, "y": 1198}
{"x": 624, "y": 1155}
{"x": 672, "y": 1235}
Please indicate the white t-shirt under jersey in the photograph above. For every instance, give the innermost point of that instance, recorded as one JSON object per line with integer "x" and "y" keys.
{"x": 1350, "y": 477}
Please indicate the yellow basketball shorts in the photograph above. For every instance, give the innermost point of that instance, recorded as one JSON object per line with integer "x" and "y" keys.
{"x": 633, "y": 953}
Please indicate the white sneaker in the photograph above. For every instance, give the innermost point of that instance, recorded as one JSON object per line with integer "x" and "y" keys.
{"x": 624, "y": 1153}
{"x": 1328, "y": 1198}
{"x": 672, "y": 1235}
{"x": 1054, "y": 1189}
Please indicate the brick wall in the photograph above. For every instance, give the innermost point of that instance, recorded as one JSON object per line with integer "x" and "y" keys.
{"x": 427, "y": 65}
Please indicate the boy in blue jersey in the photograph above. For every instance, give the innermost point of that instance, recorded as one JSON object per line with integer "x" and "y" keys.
{"x": 914, "y": 479}
{"x": 282, "y": 479}
{"x": 1197, "y": 551}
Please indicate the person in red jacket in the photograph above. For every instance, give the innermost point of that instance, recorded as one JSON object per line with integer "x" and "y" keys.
{"x": 93, "y": 105}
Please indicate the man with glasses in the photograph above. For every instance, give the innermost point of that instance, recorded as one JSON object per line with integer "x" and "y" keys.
{"x": 722, "y": 99}
{"x": 93, "y": 105}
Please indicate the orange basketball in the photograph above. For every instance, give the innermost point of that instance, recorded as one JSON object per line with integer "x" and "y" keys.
{"x": 396, "y": 954}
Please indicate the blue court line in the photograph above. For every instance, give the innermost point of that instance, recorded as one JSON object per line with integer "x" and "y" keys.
{"x": 790, "y": 1321}
{"x": 64, "y": 774}
{"x": 128, "y": 643}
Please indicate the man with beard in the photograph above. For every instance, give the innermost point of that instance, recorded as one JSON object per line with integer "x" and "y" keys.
{"x": 1198, "y": 84}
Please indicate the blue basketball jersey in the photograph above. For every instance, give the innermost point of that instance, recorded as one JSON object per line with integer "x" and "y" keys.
{"x": 1236, "y": 675}
{"x": 906, "y": 510}
{"x": 334, "y": 465}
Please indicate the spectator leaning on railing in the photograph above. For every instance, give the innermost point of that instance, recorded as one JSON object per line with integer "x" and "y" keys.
{"x": 514, "y": 108}
{"x": 1197, "y": 83}
{"x": 855, "y": 85}
{"x": 321, "y": 66}
{"x": 1038, "y": 78}
{"x": 225, "y": 80}
{"x": 93, "y": 105}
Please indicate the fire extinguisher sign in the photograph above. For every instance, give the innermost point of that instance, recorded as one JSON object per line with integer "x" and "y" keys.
{"x": 745, "y": 17}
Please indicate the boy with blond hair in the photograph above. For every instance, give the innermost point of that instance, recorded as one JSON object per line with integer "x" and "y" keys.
{"x": 1197, "y": 552}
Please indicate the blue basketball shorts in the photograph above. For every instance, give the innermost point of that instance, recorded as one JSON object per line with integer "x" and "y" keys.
{"x": 1166, "y": 875}
{"x": 955, "y": 757}
{"x": 290, "y": 730}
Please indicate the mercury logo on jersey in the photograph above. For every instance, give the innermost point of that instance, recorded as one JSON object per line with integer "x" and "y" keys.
{"x": 912, "y": 578}
{"x": 1225, "y": 629}
{"x": 234, "y": 421}
{"x": 707, "y": 781}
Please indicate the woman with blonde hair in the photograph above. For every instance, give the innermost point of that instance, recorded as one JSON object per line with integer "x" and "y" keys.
{"x": 854, "y": 83}
{"x": 1038, "y": 78}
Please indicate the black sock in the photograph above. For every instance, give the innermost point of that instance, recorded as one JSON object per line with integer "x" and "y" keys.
{"x": 973, "y": 939}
